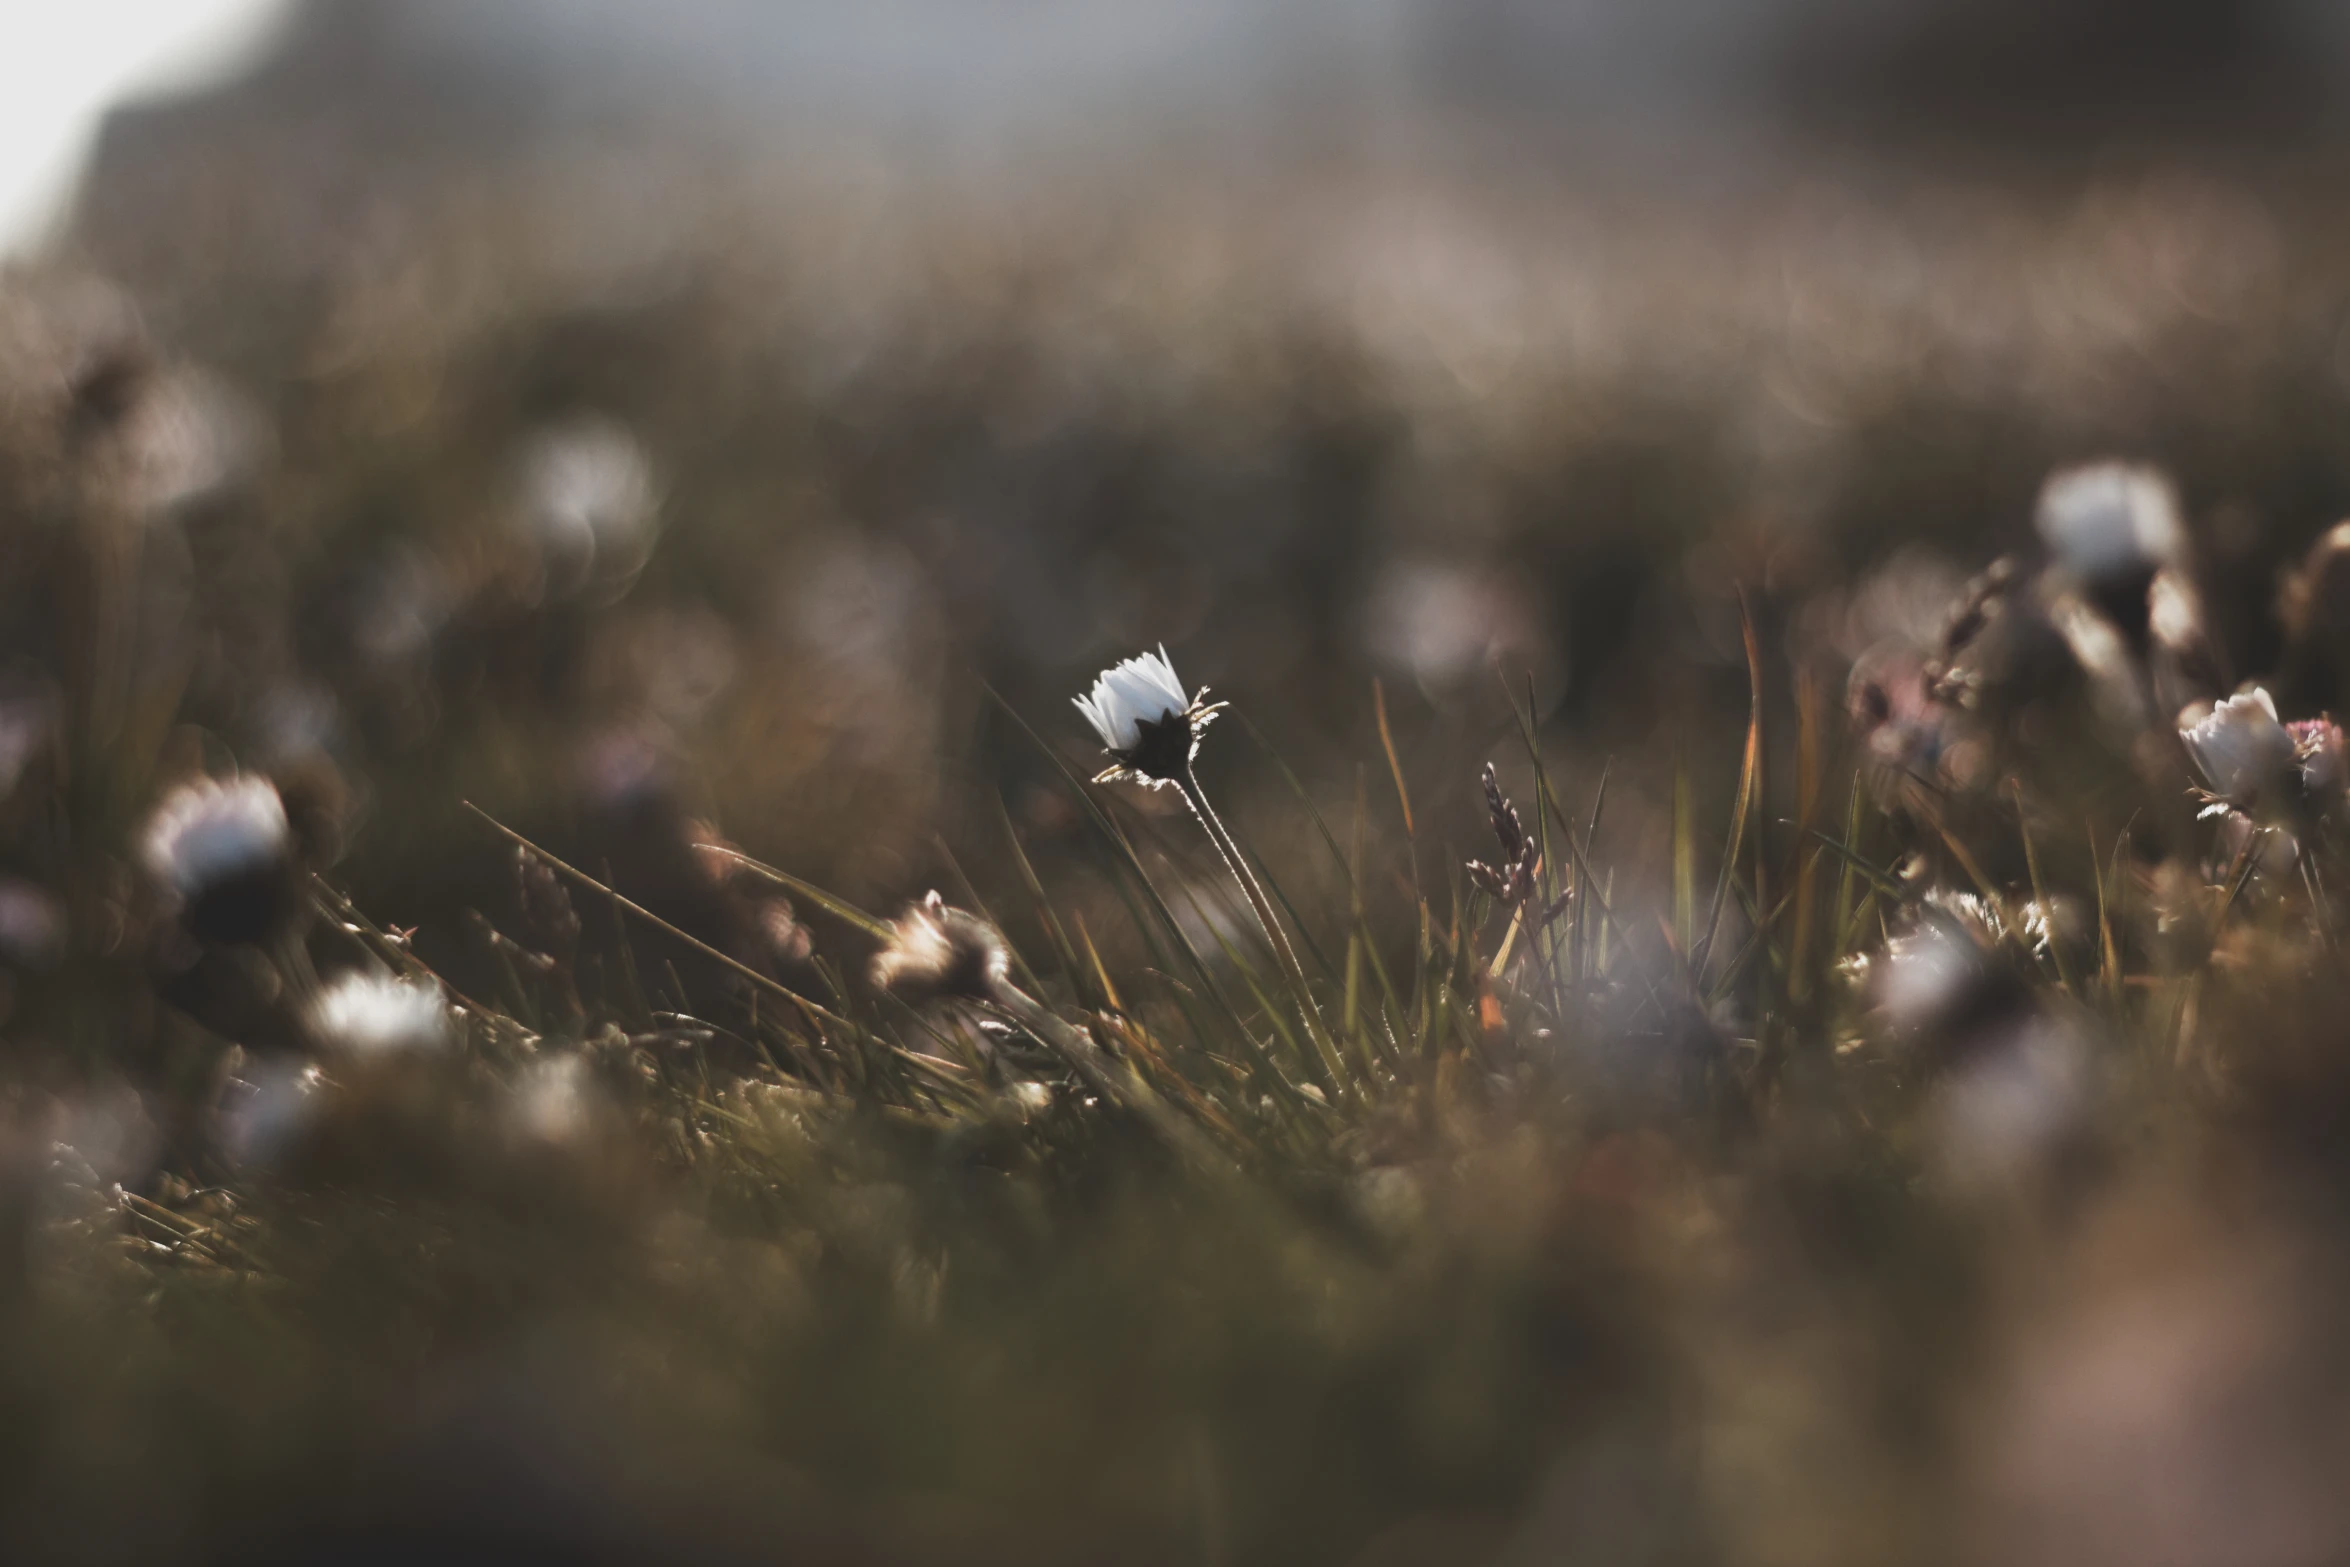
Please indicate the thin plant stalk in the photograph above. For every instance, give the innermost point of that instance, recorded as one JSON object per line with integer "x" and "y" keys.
{"x": 1237, "y": 863}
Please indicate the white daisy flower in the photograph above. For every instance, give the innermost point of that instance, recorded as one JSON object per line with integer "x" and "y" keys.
{"x": 368, "y": 1013}
{"x": 208, "y": 830}
{"x": 1145, "y": 721}
{"x": 223, "y": 848}
{"x": 2111, "y": 519}
{"x": 2239, "y": 746}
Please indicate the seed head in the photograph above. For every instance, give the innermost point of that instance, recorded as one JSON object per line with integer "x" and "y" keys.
{"x": 1146, "y": 723}
{"x": 1512, "y": 880}
{"x": 938, "y": 953}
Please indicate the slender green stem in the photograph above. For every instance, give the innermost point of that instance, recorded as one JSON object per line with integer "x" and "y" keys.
{"x": 1237, "y": 863}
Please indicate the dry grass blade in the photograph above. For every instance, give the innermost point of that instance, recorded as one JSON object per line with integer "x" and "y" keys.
{"x": 743, "y": 970}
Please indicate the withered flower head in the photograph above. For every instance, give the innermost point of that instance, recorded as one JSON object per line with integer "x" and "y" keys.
{"x": 938, "y": 953}
{"x": 224, "y": 851}
{"x": 1146, "y": 723}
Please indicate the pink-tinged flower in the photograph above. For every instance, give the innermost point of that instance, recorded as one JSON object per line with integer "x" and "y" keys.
{"x": 1145, "y": 721}
{"x": 2239, "y": 746}
{"x": 2318, "y": 754}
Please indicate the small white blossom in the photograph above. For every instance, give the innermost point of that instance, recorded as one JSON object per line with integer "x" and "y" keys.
{"x": 2109, "y": 519}
{"x": 1130, "y": 694}
{"x": 1144, "y": 719}
{"x": 208, "y": 831}
{"x": 364, "y": 1013}
{"x": 2239, "y": 746}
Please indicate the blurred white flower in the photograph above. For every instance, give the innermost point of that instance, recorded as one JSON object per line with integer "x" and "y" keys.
{"x": 1145, "y": 721}
{"x": 2111, "y": 519}
{"x": 224, "y": 854}
{"x": 209, "y": 831}
{"x": 2239, "y": 746}
{"x": 591, "y": 500}
{"x": 1924, "y": 975}
{"x": 1444, "y": 623}
{"x": 368, "y": 1013}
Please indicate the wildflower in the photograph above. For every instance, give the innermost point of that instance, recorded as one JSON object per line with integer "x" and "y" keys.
{"x": 592, "y": 500}
{"x": 938, "y": 952}
{"x": 2318, "y": 760}
{"x": 224, "y": 850}
{"x": 366, "y": 1013}
{"x": 1151, "y": 730}
{"x": 2112, "y": 525}
{"x": 2239, "y": 746}
{"x": 1146, "y": 723}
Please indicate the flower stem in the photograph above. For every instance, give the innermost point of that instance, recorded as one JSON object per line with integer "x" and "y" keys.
{"x": 1237, "y": 863}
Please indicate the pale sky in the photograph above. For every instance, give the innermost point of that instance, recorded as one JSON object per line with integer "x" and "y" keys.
{"x": 64, "y": 62}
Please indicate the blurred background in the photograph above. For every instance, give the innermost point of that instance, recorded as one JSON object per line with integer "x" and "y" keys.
{"x": 614, "y": 414}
